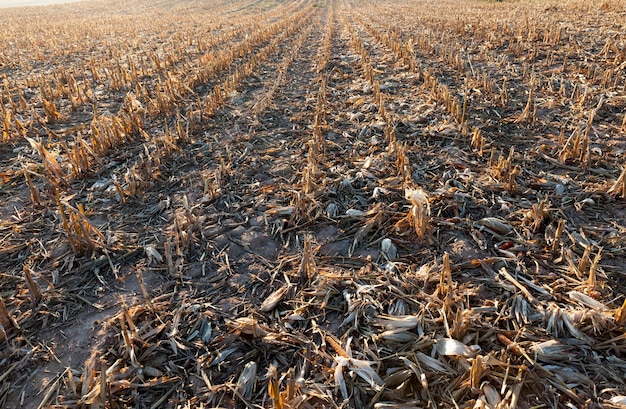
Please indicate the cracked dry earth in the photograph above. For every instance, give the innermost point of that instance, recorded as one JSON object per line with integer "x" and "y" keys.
{"x": 355, "y": 204}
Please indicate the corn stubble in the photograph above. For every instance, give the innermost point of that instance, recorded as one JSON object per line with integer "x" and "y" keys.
{"x": 320, "y": 208}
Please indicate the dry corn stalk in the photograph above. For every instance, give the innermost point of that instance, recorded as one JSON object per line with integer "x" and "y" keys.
{"x": 504, "y": 170}
{"x": 592, "y": 280}
{"x": 446, "y": 284}
{"x": 308, "y": 268}
{"x": 403, "y": 166}
{"x": 536, "y": 215}
{"x": 529, "y": 113}
{"x": 477, "y": 141}
{"x": 55, "y": 173}
{"x": 619, "y": 187}
{"x": 81, "y": 233}
{"x": 33, "y": 287}
{"x": 578, "y": 145}
{"x": 272, "y": 387}
{"x": 5, "y": 318}
{"x": 34, "y": 192}
{"x": 168, "y": 69}
{"x": 557, "y": 234}
{"x": 50, "y": 109}
{"x": 375, "y": 216}
{"x": 6, "y": 130}
{"x": 419, "y": 214}
{"x": 620, "y": 314}
{"x": 476, "y": 372}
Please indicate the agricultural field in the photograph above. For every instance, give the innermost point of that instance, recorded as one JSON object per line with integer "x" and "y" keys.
{"x": 295, "y": 204}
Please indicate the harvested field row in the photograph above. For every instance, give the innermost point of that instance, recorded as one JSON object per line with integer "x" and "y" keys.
{"x": 400, "y": 204}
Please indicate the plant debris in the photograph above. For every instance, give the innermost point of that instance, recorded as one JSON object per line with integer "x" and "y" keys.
{"x": 287, "y": 204}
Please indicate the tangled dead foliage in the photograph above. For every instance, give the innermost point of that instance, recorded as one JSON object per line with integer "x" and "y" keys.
{"x": 403, "y": 204}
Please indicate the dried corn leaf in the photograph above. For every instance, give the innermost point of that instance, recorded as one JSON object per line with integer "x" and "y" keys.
{"x": 586, "y": 301}
{"x": 551, "y": 349}
{"x": 248, "y": 326}
{"x": 361, "y": 368}
{"x": 495, "y": 225}
{"x": 274, "y": 298}
{"x": 246, "y": 383}
{"x": 452, "y": 347}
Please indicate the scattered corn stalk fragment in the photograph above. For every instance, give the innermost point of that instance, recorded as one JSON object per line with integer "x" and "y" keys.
{"x": 587, "y": 301}
{"x": 555, "y": 239}
{"x": 293, "y": 394}
{"x": 620, "y": 315}
{"x": 56, "y": 176}
{"x": 506, "y": 171}
{"x": 446, "y": 284}
{"x": 274, "y": 298}
{"x": 551, "y": 350}
{"x": 6, "y": 321}
{"x": 619, "y": 187}
{"x": 374, "y": 218}
{"x": 495, "y": 225}
{"x": 304, "y": 208}
{"x": 33, "y": 287}
{"x": 81, "y": 233}
{"x": 592, "y": 277}
{"x": 272, "y": 387}
{"x": 6, "y": 126}
{"x": 403, "y": 166}
{"x": 50, "y": 109}
{"x": 536, "y": 215}
{"x": 248, "y": 326}
{"x": 559, "y": 322}
{"x": 35, "y": 198}
{"x": 578, "y": 145}
{"x": 477, "y": 141}
{"x": 308, "y": 268}
{"x": 529, "y": 114}
{"x": 419, "y": 213}
{"x": 477, "y": 371}
{"x": 397, "y": 329}
{"x": 81, "y": 157}
{"x": 392, "y": 322}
